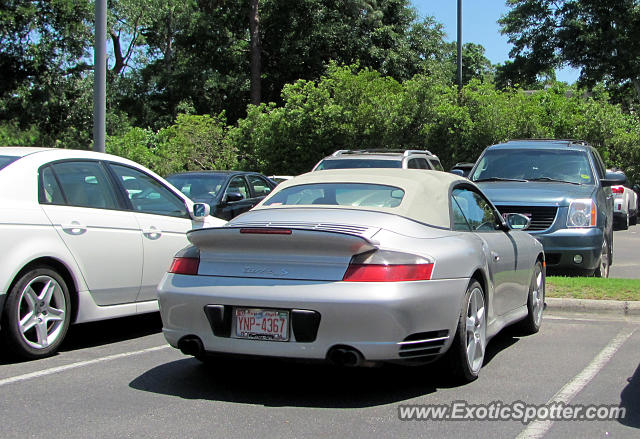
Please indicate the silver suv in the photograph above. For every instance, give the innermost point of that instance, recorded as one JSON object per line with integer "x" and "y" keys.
{"x": 380, "y": 158}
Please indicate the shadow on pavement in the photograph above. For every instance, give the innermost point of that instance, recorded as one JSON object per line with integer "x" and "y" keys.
{"x": 630, "y": 400}
{"x": 87, "y": 335}
{"x": 277, "y": 382}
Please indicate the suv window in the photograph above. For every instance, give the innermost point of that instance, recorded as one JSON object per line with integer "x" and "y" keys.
{"x": 81, "y": 184}
{"x": 358, "y": 163}
{"x": 435, "y": 164}
{"x": 418, "y": 163}
{"x": 147, "y": 195}
{"x": 534, "y": 164}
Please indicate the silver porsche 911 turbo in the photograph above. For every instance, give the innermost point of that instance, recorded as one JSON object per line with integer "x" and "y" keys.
{"x": 358, "y": 266}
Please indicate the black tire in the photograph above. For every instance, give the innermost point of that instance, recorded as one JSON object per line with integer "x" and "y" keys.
{"x": 633, "y": 219}
{"x": 42, "y": 334}
{"x": 605, "y": 261}
{"x": 535, "y": 302}
{"x": 456, "y": 357}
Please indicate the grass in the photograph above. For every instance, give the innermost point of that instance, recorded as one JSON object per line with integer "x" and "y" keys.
{"x": 593, "y": 288}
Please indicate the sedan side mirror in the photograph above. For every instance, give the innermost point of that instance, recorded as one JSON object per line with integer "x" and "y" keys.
{"x": 200, "y": 211}
{"x": 230, "y": 197}
{"x": 613, "y": 179}
{"x": 517, "y": 221}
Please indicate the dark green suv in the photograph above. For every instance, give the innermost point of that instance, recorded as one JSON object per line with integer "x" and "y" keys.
{"x": 564, "y": 188}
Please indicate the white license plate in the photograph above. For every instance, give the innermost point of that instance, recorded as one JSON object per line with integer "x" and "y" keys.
{"x": 262, "y": 324}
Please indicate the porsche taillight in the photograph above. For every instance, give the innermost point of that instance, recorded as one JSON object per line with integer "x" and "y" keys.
{"x": 182, "y": 265}
{"x": 388, "y": 266}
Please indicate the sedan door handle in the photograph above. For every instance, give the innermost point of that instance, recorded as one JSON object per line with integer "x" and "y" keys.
{"x": 495, "y": 256}
{"x": 152, "y": 232}
{"x": 74, "y": 228}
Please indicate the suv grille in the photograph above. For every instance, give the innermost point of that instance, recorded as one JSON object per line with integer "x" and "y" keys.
{"x": 542, "y": 217}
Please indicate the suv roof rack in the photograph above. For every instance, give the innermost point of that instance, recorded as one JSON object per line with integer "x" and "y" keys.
{"x": 404, "y": 152}
{"x": 571, "y": 141}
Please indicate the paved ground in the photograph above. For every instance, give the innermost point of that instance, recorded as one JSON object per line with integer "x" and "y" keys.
{"x": 626, "y": 253}
{"x": 129, "y": 384}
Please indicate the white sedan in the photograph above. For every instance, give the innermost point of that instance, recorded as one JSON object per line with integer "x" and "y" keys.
{"x": 85, "y": 236}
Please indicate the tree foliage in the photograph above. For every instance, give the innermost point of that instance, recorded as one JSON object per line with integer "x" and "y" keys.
{"x": 599, "y": 37}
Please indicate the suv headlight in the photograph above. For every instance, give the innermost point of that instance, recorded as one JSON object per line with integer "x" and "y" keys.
{"x": 582, "y": 213}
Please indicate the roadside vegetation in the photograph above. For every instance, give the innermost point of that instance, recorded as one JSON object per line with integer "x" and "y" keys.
{"x": 593, "y": 288}
{"x": 196, "y": 85}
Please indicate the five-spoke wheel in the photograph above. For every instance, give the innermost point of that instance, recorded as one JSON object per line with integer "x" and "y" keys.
{"x": 36, "y": 315}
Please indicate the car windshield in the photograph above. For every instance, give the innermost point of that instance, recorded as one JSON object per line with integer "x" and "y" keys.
{"x": 534, "y": 165}
{"x": 198, "y": 187}
{"x": 358, "y": 163}
{"x": 338, "y": 194}
{"x": 7, "y": 159}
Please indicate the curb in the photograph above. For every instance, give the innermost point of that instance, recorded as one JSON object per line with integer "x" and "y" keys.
{"x": 620, "y": 308}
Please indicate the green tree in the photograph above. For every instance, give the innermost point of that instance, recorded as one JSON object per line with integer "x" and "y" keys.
{"x": 597, "y": 37}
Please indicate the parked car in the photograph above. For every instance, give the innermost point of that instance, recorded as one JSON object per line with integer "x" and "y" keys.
{"x": 563, "y": 186}
{"x": 462, "y": 169}
{"x": 228, "y": 193}
{"x": 85, "y": 236}
{"x": 380, "y": 158}
{"x": 358, "y": 266}
{"x": 625, "y": 206}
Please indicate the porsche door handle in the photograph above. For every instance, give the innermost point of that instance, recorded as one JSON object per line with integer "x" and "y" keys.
{"x": 152, "y": 232}
{"x": 495, "y": 256}
{"x": 74, "y": 228}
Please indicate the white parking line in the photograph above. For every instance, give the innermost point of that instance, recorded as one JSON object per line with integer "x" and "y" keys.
{"x": 41, "y": 373}
{"x": 538, "y": 429}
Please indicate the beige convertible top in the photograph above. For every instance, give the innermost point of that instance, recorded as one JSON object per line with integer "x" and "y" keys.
{"x": 426, "y": 197}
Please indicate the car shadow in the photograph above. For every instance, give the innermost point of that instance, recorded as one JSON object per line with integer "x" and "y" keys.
{"x": 630, "y": 400}
{"x": 88, "y": 335}
{"x": 279, "y": 382}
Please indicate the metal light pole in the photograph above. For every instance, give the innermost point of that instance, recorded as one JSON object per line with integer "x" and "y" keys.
{"x": 100, "y": 76}
{"x": 459, "y": 44}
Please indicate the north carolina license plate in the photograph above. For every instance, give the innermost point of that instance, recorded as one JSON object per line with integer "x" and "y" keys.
{"x": 262, "y": 324}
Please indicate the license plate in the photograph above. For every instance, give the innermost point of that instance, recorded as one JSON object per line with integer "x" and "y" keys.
{"x": 262, "y": 324}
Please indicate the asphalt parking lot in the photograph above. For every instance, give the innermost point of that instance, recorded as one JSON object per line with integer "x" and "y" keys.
{"x": 626, "y": 253}
{"x": 119, "y": 379}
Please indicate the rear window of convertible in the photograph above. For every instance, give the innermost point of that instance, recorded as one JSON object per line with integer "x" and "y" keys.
{"x": 338, "y": 194}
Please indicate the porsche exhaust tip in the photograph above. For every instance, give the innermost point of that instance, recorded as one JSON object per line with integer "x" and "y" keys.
{"x": 345, "y": 356}
{"x": 191, "y": 345}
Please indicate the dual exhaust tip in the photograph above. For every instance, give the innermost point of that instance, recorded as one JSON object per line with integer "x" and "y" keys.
{"x": 338, "y": 355}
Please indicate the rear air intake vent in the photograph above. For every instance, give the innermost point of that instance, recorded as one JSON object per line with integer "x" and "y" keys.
{"x": 423, "y": 344}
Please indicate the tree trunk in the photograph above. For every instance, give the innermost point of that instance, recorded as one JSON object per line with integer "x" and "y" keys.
{"x": 256, "y": 61}
{"x": 117, "y": 53}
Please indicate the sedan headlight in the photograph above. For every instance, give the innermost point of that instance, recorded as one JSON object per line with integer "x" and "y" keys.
{"x": 582, "y": 213}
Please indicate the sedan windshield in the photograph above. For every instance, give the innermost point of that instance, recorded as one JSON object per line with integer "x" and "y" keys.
{"x": 338, "y": 194}
{"x": 549, "y": 165}
{"x": 6, "y": 159}
{"x": 198, "y": 187}
{"x": 355, "y": 163}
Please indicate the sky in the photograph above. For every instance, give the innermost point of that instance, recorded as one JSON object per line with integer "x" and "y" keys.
{"x": 479, "y": 25}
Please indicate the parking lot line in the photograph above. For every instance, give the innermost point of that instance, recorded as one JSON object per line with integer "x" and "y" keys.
{"x": 537, "y": 429}
{"x": 76, "y": 365}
